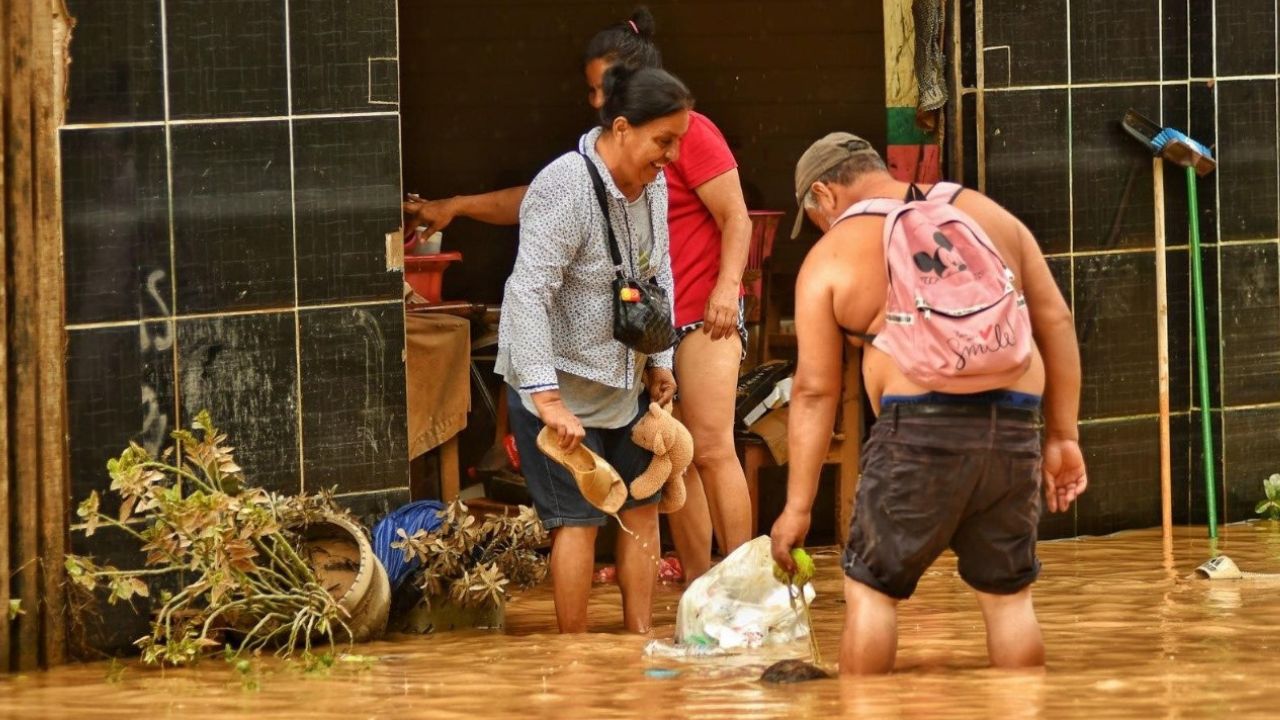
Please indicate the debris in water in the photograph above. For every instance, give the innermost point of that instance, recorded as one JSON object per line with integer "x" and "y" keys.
{"x": 661, "y": 673}
{"x": 793, "y": 671}
{"x": 667, "y": 649}
{"x": 1224, "y": 568}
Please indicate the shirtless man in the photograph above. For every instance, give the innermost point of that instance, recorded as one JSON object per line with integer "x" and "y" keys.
{"x": 939, "y": 470}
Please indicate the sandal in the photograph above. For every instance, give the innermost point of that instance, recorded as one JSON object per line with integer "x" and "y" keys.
{"x": 599, "y": 483}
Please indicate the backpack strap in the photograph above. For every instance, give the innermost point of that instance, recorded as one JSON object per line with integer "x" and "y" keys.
{"x": 874, "y": 206}
{"x": 945, "y": 191}
{"x": 867, "y": 338}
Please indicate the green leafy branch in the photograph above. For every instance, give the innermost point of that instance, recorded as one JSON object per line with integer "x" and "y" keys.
{"x": 1271, "y": 505}
{"x": 234, "y": 546}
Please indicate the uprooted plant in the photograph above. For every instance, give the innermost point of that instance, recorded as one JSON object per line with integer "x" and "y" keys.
{"x": 1271, "y": 505}
{"x": 477, "y": 564}
{"x": 242, "y": 577}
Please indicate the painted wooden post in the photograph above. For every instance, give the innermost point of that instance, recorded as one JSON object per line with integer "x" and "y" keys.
{"x": 33, "y": 467}
{"x": 913, "y": 155}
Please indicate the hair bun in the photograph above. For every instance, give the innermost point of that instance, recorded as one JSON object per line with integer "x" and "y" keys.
{"x": 616, "y": 78}
{"x": 642, "y": 19}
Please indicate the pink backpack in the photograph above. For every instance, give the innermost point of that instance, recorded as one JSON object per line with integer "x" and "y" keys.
{"x": 953, "y": 320}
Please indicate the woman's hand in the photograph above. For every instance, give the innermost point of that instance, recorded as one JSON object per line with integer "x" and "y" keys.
{"x": 553, "y": 413}
{"x": 720, "y": 319}
{"x": 435, "y": 215}
{"x": 661, "y": 385}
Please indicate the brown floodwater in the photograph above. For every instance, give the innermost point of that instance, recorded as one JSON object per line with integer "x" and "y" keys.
{"x": 1129, "y": 635}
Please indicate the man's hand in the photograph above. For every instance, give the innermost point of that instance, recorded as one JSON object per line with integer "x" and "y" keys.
{"x": 720, "y": 319}
{"x": 1064, "y": 473}
{"x": 661, "y": 385}
{"x": 789, "y": 532}
{"x": 435, "y": 215}
{"x": 554, "y": 414}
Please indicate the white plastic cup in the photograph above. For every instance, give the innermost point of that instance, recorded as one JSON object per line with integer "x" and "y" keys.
{"x": 431, "y": 245}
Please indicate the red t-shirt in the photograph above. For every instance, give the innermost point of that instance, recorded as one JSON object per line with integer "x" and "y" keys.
{"x": 695, "y": 237}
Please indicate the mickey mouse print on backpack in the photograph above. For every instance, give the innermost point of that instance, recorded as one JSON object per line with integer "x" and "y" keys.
{"x": 954, "y": 321}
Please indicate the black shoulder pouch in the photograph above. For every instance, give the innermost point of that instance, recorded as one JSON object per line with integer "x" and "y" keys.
{"x": 641, "y": 310}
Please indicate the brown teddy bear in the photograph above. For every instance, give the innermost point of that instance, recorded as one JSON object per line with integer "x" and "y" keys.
{"x": 672, "y": 447}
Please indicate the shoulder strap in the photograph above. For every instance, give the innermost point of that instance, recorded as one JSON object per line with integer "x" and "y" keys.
{"x": 874, "y": 206}
{"x": 945, "y": 191}
{"x": 598, "y": 183}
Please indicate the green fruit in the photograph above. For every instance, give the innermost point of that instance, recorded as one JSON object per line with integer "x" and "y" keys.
{"x": 804, "y": 569}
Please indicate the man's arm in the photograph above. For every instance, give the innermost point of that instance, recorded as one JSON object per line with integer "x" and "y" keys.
{"x": 1055, "y": 334}
{"x": 815, "y": 395}
{"x": 500, "y": 207}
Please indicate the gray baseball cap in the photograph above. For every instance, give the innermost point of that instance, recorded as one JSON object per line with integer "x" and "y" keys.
{"x": 821, "y": 156}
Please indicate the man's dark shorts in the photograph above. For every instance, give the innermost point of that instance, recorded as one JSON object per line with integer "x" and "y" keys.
{"x": 555, "y": 493}
{"x": 959, "y": 472}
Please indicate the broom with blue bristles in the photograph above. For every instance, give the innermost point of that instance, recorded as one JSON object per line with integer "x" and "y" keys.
{"x": 1176, "y": 147}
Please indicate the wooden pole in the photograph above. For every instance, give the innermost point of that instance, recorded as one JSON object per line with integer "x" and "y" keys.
{"x": 1162, "y": 352}
{"x": 50, "y": 332}
{"x": 4, "y": 350}
{"x": 23, "y": 401}
{"x": 956, "y": 111}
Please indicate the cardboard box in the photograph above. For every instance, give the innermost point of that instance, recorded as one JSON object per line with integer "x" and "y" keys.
{"x": 772, "y": 429}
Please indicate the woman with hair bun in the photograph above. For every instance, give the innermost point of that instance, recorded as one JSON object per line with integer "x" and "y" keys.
{"x": 710, "y": 234}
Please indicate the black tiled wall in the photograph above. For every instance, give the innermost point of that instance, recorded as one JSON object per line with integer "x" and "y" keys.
{"x": 1026, "y": 169}
{"x": 1056, "y": 156}
{"x": 115, "y": 205}
{"x": 226, "y": 249}
{"x": 1112, "y": 41}
{"x": 232, "y": 218}
{"x": 226, "y": 58}
{"x": 347, "y": 176}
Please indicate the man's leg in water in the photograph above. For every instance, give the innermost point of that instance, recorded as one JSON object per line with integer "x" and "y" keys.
{"x": 1013, "y": 633}
{"x": 869, "y": 642}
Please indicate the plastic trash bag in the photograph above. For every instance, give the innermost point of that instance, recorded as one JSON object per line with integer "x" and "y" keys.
{"x": 739, "y": 604}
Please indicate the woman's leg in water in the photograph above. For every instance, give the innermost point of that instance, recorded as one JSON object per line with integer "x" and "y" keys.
{"x": 707, "y": 372}
{"x": 638, "y": 553}
{"x": 573, "y": 554}
{"x": 691, "y": 528}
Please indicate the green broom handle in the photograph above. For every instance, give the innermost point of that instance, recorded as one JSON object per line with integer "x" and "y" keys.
{"x": 1202, "y": 354}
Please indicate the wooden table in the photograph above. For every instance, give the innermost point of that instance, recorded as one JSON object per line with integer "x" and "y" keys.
{"x": 438, "y": 389}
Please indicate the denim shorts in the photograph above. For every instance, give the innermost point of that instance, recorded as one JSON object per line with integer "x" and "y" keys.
{"x": 554, "y": 491}
{"x": 938, "y": 475}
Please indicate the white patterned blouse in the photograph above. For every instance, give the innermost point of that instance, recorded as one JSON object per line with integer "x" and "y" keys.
{"x": 557, "y": 311}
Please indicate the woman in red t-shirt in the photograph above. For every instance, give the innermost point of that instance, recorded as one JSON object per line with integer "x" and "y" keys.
{"x": 710, "y": 233}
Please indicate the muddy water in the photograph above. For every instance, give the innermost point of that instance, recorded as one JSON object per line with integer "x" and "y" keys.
{"x": 1129, "y": 636}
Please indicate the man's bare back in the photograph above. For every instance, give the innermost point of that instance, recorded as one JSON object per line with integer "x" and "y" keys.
{"x": 849, "y": 263}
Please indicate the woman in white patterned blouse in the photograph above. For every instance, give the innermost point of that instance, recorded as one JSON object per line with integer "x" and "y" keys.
{"x": 555, "y": 341}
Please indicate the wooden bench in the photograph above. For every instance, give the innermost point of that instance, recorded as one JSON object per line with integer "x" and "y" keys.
{"x": 845, "y": 450}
